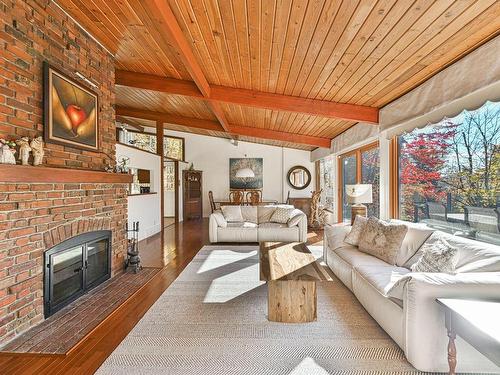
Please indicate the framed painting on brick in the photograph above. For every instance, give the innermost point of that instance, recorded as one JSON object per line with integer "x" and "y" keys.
{"x": 71, "y": 111}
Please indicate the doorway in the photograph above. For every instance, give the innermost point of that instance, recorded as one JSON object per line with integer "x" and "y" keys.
{"x": 170, "y": 193}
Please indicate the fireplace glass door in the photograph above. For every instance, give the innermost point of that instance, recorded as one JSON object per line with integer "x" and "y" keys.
{"x": 67, "y": 278}
{"x": 74, "y": 267}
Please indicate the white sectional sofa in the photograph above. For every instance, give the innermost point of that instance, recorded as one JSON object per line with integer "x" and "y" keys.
{"x": 409, "y": 312}
{"x": 257, "y": 226}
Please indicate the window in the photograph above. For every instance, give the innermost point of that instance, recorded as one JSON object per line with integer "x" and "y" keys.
{"x": 361, "y": 166}
{"x": 173, "y": 146}
{"x": 326, "y": 182}
{"x": 449, "y": 174}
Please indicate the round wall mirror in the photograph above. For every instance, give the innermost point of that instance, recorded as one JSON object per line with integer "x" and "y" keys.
{"x": 299, "y": 177}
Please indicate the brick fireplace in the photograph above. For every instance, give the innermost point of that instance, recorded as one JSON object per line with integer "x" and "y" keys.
{"x": 40, "y": 207}
{"x": 35, "y": 217}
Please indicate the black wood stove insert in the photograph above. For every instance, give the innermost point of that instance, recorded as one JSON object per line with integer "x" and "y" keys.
{"x": 75, "y": 266}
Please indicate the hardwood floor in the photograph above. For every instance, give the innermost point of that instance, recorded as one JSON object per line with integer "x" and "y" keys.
{"x": 175, "y": 248}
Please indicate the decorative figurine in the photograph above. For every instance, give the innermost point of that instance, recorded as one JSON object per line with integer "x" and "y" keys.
{"x": 7, "y": 152}
{"x": 317, "y": 217}
{"x": 24, "y": 150}
{"x": 37, "y": 149}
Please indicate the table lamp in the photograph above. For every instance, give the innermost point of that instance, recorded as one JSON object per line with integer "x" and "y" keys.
{"x": 358, "y": 195}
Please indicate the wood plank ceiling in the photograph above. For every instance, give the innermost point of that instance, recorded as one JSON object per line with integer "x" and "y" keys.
{"x": 361, "y": 52}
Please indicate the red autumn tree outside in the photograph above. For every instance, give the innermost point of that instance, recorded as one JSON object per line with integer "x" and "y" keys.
{"x": 422, "y": 162}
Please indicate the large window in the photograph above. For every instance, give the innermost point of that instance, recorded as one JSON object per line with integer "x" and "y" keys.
{"x": 449, "y": 174}
{"x": 326, "y": 182}
{"x": 173, "y": 146}
{"x": 361, "y": 166}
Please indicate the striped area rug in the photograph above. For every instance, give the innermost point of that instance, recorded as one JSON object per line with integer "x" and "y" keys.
{"x": 212, "y": 320}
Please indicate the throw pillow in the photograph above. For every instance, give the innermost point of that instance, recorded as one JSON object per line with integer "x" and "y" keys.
{"x": 281, "y": 215}
{"x": 382, "y": 240}
{"x": 295, "y": 217}
{"x": 249, "y": 214}
{"x": 264, "y": 213}
{"x": 232, "y": 213}
{"x": 352, "y": 237}
{"x": 437, "y": 256}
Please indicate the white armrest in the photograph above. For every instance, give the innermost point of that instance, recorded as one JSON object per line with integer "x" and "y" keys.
{"x": 216, "y": 220}
{"x": 220, "y": 219}
{"x": 425, "y": 333}
{"x": 333, "y": 236}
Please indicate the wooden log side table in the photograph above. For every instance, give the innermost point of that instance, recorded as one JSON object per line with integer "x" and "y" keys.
{"x": 477, "y": 322}
{"x": 291, "y": 273}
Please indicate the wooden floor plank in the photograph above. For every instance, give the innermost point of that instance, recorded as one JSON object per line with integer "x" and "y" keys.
{"x": 178, "y": 245}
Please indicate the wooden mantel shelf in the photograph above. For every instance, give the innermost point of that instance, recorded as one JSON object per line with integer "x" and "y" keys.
{"x": 40, "y": 174}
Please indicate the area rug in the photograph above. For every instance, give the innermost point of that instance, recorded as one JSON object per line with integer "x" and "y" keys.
{"x": 212, "y": 320}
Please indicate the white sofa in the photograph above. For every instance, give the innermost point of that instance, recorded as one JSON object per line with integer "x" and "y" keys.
{"x": 409, "y": 313}
{"x": 257, "y": 226}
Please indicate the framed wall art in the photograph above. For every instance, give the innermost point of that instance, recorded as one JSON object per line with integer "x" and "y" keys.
{"x": 71, "y": 111}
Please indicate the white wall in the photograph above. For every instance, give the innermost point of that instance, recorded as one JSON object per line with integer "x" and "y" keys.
{"x": 144, "y": 208}
{"x": 211, "y": 155}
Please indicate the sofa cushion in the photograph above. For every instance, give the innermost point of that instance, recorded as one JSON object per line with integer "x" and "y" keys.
{"x": 238, "y": 234}
{"x": 244, "y": 224}
{"x": 352, "y": 256}
{"x": 353, "y": 236}
{"x": 278, "y": 232}
{"x": 473, "y": 256}
{"x": 264, "y": 213}
{"x": 334, "y": 235}
{"x": 382, "y": 278}
{"x": 249, "y": 213}
{"x": 437, "y": 256}
{"x": 281, "y": 215}
{"x": 417, "y": 234}
{"x": 232, "y": 213}
{"x": 382, "y": 239}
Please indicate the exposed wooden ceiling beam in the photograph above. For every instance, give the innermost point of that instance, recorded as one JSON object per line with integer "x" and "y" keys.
{"x": 280, "y": 136}
{"x": 122, "y": 120}
{"x": 177, "y": 38}
{"x": 351, "y": 112}
{"x": 168, "y": 118}
{"x": 233, "y": 129}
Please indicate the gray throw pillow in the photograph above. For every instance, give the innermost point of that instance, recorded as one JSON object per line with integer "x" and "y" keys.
{"x": 281, "y": 215}
{"x": 232, "y": 214}
{"x": 352, "y": 237}
{"x": 437, "y": 256}
{"x": 382, "y": 240}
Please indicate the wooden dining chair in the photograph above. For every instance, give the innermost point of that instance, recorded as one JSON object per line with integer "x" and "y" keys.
{"x": 254, "y": 197}
{"x": 211, "y": 200}
{"x": 236, "y": 197}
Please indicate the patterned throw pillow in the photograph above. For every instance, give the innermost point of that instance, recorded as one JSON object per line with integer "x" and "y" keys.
{"x": 281, "y": 215}
{"x": 437, "y": 256}
{"x": 382, "y": 240}
{"x": 352, "y": 237}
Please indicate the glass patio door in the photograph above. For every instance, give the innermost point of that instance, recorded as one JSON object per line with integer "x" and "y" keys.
{"x": 360, "y": 166}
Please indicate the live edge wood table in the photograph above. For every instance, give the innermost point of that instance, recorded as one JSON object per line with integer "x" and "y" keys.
{"x": 291, "y": 272}
{"x": 477, "y": 322}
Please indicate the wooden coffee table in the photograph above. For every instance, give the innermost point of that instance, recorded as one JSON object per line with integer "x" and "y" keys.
{"x": 291, "y": 272}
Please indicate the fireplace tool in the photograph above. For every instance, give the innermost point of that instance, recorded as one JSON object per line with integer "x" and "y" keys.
{"x": 133, "y": 258}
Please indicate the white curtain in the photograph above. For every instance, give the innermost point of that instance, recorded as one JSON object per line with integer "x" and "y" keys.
{"x": 467, "y": 84}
